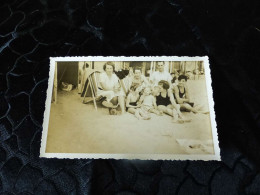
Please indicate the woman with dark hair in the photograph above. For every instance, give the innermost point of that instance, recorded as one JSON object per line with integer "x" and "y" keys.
{"x": 166, "y": 103}
{"x": 182, "y": 95}
{"x": 110, "y": 88}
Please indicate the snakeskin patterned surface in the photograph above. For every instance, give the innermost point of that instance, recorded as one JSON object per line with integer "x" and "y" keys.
{"x": 31, "y": 31}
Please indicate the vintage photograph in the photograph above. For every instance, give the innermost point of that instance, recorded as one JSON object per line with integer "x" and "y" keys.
{"x": 130, "y": 108}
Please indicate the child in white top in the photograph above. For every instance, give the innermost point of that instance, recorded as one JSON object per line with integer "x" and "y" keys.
{"x": 148, "y": 104}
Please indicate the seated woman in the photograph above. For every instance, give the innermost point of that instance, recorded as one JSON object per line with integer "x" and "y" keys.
{"x": 166, "y": 103}
{"x": 110, "y": 88}
{"x": 181, "y": 93}
{"x": 138, "y": 79}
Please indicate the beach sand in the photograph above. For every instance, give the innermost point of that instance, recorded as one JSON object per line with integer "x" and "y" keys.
{"x": 75, "y": 127}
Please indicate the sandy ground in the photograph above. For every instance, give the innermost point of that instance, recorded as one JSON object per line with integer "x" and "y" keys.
{"x": 75, "y": 127}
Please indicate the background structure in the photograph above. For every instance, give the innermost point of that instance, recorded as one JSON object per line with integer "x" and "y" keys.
{"x": 33, "y": 30}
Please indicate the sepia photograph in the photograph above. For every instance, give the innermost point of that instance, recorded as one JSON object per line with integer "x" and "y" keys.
{"x": 130, "y": 108}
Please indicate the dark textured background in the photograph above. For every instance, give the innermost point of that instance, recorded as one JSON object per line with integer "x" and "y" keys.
{"x": 31, "y": 31}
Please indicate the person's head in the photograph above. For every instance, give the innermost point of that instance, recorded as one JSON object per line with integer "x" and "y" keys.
{"x": 160, "y": 66}
{"x": 133, "y": 88}
{"x": 137, "y": 72}
{"x": 182, "y": 79}
{"x": 164, "y": 85}
{"x": 147, "y": 91}
{"x": 109, "y": 67}
{"x": 156, "y": 90}
{"x": 173, "y": 80}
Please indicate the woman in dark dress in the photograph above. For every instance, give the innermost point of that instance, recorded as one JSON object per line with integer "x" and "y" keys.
{"x": 166, "y": 103}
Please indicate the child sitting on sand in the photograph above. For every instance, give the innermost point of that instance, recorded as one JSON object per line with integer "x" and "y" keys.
{"x": 148, "y": 104}
{"x": 131, "y": 101}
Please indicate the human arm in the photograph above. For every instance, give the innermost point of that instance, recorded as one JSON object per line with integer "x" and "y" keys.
{"x": 187, "y": 94}
{"x": 154, "y": 103}
{"x": 173, "y": 102}
{"x": 140, "y": 100}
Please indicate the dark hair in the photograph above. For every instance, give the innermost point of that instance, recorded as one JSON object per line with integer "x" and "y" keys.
{"x": 174, "y": 79}
{"x": 165, "y": 84}
{"x": 133, "y": 87}
{"x": 182, "y": 77}
{"x": 110, "y": 64}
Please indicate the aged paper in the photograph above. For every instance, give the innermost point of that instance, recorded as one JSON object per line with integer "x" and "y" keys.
{"x": 130, "y": 108}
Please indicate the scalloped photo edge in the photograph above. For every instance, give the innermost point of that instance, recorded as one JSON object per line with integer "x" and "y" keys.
{"x": 141, "y": 156}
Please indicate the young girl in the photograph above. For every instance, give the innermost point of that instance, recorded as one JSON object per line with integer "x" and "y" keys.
{"x": 131, "y": 101}
{"x": 148, "y": 104}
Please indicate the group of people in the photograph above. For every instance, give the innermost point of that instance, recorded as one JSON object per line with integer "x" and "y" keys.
{"x": 160, "y": 94}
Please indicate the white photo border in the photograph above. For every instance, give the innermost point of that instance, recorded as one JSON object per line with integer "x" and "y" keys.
{"x": 203, "y": 157}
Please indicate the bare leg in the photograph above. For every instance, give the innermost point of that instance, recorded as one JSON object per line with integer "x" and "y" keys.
{"x": 198, "y": 107}
{"x": 188, "y": 108}
{"x": 162, "y": 108}
{"x": 177, "y": 113}
{"x": 201, "y": 109}
{"x": 114, "y": 100}
{"x": 170, "y": 110}
{"x": 175, "y": 118}
{"x": 108, "y": 104}
{"x": 109, "y": 97}
{"x": 137, "y": 114}
{"x": 145, "y": 115}
{"x": 156, "y": 112}
{"x": 131, "y": 110}
{"x": 194, "y": 110}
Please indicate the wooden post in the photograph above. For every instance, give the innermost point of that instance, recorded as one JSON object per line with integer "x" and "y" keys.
{"x": 86, "y": 92}
{"x": 195, "y": 71}
{"x": 92, "y": 91}
{"x": 151, "y": 70}
{"x": 143, "y": 68}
